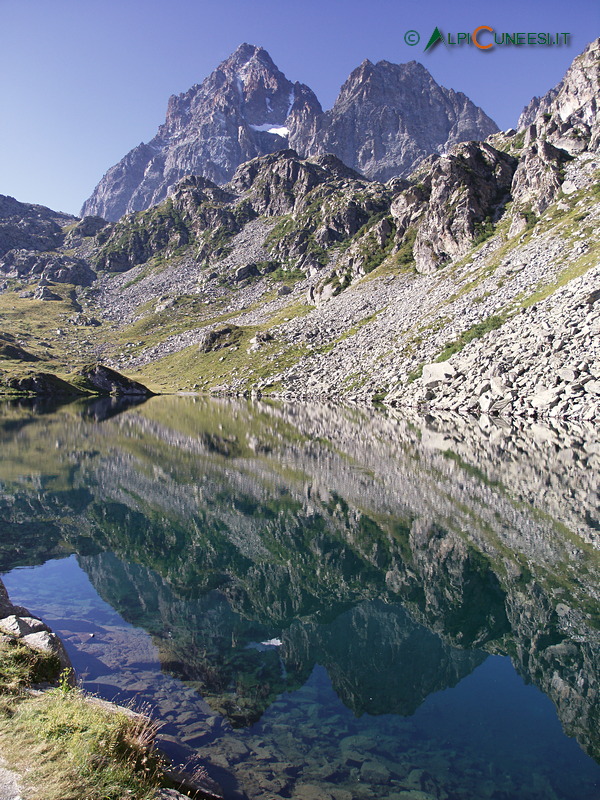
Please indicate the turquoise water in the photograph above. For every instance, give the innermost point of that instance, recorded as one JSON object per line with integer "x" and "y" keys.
{"x": 318, "y": 604}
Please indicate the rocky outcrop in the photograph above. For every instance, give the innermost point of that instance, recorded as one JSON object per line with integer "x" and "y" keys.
{"x": 30, "y": 227}
{"x": 18, "y": 623}
{"x": 41, "y": 383}
{"x": 537, "y": 180}
{"x": 11, "y": 351}
{"x": 24, "y": 264}
{"x": 326, "y": 203}
{"x": 387, "y": 118}
{"x": 457, "y": 196}
{"x": 568, "y": 116}
{"x": 94, "y": 379}
{"x": 103, "y": 380}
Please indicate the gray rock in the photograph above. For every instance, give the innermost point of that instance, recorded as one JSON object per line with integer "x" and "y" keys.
{"x": 247, "y": 271}
{"x": 457, "y": 196}
{"x": 375, "y": 773}
{"x": 21, "y": 626}
{"x": 44, "y": 293}
{"x": 567, "y": 374}
{"x": 107, "y": 381}
{"x": 592, "y": 387}
{"x": 48, "y": 642}
{"x": 547, "y": 398}
{"x": 435, "y": 373}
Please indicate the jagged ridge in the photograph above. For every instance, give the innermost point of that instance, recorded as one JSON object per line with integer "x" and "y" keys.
{"x": 387, "y": 118}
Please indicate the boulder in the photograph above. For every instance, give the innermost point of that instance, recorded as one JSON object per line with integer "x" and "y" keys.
{"x": 547, "y": 398}
{"x": 44, "y": 293}
{"x": 48, "y": 642}
{"x": 247, "y": 271}
{"x": 104, "y": 380}
{"x": 438, "y": 372}
{"x": 22, "y": 626}
{"x": 218, "y": 338}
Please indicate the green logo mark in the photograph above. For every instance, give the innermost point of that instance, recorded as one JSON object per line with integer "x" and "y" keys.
{"x": 435, "y": 37}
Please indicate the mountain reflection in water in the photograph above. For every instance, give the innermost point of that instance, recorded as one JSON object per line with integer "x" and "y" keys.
{"x": 387, "y": 555}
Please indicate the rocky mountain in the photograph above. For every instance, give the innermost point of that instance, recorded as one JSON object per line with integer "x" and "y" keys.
{"x": 387, "y": 118}
{"x": 237, "y": 113}
{"x": 471, "y": 285}
{"x": 33, "y": 227}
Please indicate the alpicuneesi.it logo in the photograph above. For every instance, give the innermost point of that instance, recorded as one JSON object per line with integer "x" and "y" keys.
{"x": 485, "y": 38}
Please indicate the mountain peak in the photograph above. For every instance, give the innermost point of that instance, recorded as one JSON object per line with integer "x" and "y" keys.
{"x": 245, "y": 54}
{"x": 246, "y": 51}
{"x": 387, "y": 118}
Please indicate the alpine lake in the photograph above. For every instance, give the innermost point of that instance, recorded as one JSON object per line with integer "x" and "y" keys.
{"x": 321, "y": 602}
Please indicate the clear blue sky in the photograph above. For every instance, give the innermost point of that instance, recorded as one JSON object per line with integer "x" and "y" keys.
{"x": 84, "y": 81}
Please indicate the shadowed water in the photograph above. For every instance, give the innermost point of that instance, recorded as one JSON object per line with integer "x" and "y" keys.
{"x": 320, "y": 602}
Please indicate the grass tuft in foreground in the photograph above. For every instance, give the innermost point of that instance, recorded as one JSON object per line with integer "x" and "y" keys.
{"x": 66, "y": 746}
{"x": 21, "y": 667}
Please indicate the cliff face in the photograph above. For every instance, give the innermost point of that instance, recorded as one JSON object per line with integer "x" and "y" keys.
{"x": 567, "y": 115}
{"x": 387, "y": 118}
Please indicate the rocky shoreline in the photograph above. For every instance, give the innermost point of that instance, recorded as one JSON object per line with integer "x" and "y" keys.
{"x": 17, "y": 622}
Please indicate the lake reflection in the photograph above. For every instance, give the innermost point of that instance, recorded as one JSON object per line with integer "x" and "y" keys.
{"x": 322, "y": 602}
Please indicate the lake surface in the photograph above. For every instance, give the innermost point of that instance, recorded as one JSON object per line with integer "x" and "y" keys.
{"x": 322, "y": 603}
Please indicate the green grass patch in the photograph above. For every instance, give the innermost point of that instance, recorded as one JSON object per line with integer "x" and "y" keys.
{"x": 282, "y": 228}
{"x": 21, "y": 667}
{"x": 288, "y": 312}
{"x": 405, "y": 257}
{"x": 189, "y": 368}
{"x": 287, "y": 276}
{"x": 415, "y": 374}
{"x": 482, "y": 231}
{"x": 475, "y": 332}
{"x": 68, "y": 747}
{"x": 34, "y": 325}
